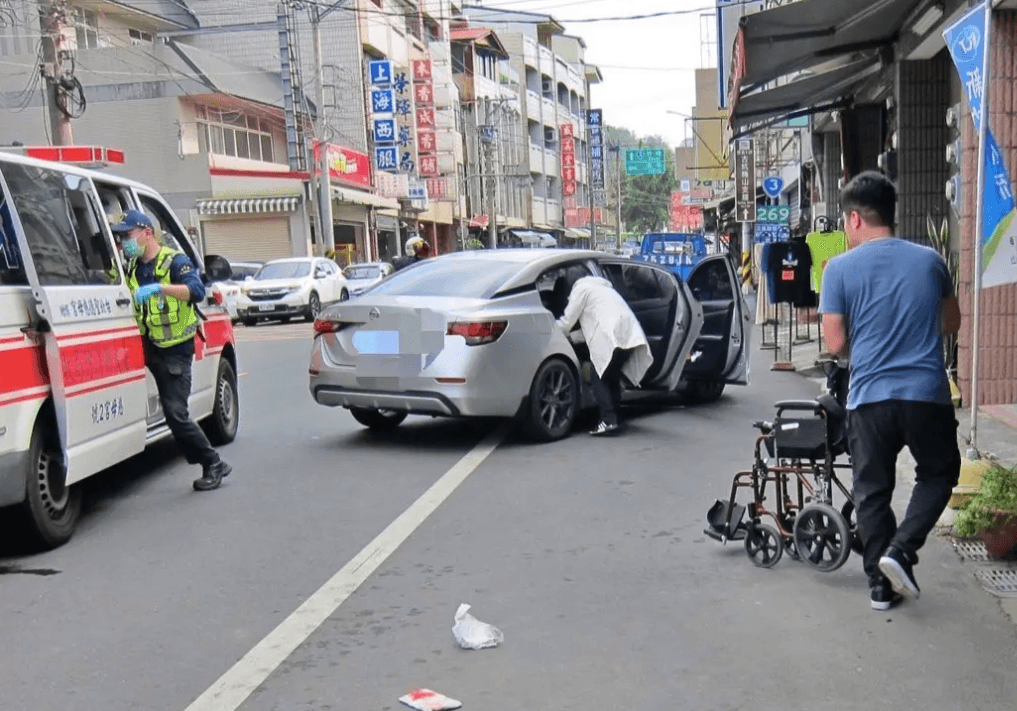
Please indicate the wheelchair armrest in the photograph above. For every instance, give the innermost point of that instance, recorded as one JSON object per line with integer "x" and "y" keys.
{"x": 810, "y": 405}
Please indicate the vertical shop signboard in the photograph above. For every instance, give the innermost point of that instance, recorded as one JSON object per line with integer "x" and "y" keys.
{"x": 406, "y": 138}
{"x": 423, "y": 98}
{"x": 386, "y": 152}
{"x": 568, "y": 160}
{"x": 595, "y": 122}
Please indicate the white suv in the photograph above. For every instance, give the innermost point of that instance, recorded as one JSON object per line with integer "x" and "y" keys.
{"x": 285, "y": 288}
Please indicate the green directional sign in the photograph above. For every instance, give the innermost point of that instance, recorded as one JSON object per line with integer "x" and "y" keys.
{"x": 648, "y": 161}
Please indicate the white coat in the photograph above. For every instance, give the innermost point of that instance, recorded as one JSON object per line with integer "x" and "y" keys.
{"x": 607, "y": 323}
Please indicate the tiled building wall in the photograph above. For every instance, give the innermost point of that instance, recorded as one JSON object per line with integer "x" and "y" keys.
{"x": 998, "y": 320}
{"x": 922, "y": 170}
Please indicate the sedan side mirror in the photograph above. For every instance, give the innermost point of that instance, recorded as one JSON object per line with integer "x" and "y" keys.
{"x": 217, "y": 268}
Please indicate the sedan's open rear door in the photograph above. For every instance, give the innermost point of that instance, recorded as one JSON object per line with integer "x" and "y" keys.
{"x": 721, "y": 353}
{"x": 84, "y": 315}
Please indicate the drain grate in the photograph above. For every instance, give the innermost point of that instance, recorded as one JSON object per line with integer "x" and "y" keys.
{"x": 973, "y": 551}
{"x": 998, "y": 581}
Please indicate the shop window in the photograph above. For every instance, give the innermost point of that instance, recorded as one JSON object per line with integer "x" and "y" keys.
{"x": 63, "y": 226}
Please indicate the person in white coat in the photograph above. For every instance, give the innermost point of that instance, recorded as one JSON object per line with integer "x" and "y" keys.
{"x": 617, "y": 343}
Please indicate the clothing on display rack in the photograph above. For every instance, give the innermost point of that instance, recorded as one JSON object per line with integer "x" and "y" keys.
{"x": 790, "y": 265}
{"x": 762, "y": 279}
{"x": 824, "y": 246}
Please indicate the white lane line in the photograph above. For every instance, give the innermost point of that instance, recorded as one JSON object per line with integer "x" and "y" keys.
{"x": 233, "y": 687}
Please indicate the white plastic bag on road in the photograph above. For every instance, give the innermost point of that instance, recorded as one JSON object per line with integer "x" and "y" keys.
{"x": 471, "y": 633}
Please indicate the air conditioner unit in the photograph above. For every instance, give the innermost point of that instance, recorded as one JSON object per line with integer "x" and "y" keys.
{"x": 546, "y": 85}
{"x": 549, "y": 134}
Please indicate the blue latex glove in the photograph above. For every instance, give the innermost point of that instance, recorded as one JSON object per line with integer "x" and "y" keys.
{"x": 146, "y": 292}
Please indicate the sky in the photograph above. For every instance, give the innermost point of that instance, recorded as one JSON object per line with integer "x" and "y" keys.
{"x": 647, "y": 64}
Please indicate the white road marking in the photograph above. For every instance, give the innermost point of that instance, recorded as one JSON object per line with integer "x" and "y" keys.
{"x": 233, "y": 687}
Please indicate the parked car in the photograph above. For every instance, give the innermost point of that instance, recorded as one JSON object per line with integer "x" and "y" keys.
{"x": 284, "y": 288}
{"x": 361, "y": 277}
{"x": 227, "y": 291}
{"x": 472, "y": 334}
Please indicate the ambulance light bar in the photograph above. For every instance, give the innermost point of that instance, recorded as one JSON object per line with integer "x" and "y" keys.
{"x": 84, "y": 156}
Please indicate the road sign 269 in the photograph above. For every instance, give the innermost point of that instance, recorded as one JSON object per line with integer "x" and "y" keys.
{"x": 773, "y": 214}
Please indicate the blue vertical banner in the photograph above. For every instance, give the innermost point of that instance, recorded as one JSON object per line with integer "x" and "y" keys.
{"x": 966, "y": 43}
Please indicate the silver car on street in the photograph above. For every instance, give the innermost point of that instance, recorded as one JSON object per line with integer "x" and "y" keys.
{"x": 473, "y": 334}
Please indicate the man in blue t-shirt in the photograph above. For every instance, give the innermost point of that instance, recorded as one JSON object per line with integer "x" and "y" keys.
{"x": 889, "y": 302}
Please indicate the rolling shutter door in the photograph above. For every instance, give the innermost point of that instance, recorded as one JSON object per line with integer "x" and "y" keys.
{"x": 257, "y": 238}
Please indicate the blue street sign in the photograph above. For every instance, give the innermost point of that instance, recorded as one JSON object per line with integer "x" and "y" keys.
{"x": 386, "y": 158}
{"x": 384, "y": 130}
{"x": 773, "y": 186}
{"x": 382, "y": 101}
{"x": 595, "y": 117}
{"x": 381, "y": 72}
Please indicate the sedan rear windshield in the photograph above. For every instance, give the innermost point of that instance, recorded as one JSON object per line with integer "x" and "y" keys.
{"x": 462, "y": 278}
{"x": 284, "y": 270}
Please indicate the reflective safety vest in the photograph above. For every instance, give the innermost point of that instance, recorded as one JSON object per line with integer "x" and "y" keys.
{"x": 165, "y": 320}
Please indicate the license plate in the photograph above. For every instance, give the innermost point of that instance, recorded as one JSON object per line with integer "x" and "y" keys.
{"x": 266, "y": 307}
{"x": 377, "y": 342}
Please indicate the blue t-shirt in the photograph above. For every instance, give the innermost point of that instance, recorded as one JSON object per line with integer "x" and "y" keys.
{"x": 182, "y": 271}
{"x": 890, "y": 292}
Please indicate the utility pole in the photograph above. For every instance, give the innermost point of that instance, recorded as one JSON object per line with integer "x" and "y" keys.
{"x": 487, "y": 139}
{"x": 324, "y": 172}
{"x": 618, "y": 204}
{"x": 52, "y": 19}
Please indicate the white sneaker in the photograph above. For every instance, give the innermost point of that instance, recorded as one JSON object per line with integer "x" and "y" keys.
{"x": 604, "y": 429}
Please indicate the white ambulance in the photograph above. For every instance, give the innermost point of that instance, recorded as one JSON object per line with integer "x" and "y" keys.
{"x": 75, "y": 395}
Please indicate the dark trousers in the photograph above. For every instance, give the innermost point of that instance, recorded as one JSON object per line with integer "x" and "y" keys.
{"x": 607, "y": 387}
{"x": 171, "y": 368}
{"x": 877, "y": 432}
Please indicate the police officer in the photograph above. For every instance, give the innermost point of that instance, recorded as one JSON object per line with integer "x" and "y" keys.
{"x": 166, "y": 287}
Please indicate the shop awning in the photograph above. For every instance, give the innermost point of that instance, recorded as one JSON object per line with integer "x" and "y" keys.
{"x": 245, "y": 206}
{"x": 800, "y": 35}
{"x": 807, "y": 95}
{"x": 356, "y": 197}
{"x": 577, "y": 233}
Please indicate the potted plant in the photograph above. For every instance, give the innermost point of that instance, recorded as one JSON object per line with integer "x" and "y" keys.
{"x": 992, "y": 513}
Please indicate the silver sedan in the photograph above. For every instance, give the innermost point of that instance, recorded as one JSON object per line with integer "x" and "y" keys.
{"x": 473, "y": 334}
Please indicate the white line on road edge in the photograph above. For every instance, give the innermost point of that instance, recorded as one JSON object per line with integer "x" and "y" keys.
{"x": 233, "y": 687}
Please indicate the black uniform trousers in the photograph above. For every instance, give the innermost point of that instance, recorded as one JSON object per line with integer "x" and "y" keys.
{"x": 171, "y": 368}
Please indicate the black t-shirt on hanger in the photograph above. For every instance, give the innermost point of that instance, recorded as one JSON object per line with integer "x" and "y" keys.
{"x": 791, "y": 264}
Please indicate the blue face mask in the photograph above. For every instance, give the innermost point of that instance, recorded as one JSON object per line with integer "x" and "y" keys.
{"x": 132, "y": 249}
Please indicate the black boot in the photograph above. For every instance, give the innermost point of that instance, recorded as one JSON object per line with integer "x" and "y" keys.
{"x": 212, "y": 476}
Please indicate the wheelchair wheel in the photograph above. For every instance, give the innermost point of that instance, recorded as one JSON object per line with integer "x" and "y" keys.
{"x": 763, "y": 545}
{"x": 848, "y": 512}
{"x": 822, "y": 537}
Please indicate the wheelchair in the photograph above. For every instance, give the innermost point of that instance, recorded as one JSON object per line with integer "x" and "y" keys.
{"x": 794, "y": 485}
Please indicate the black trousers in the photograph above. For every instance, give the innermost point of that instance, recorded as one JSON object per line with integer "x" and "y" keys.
{"x": 171, "y": 368}
{"x": 607, "y": 387}
{"x": 877, "y": 432}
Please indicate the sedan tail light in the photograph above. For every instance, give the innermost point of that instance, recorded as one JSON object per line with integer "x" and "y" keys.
{"x": 217, "y": 297}
{"x": 477, "y": 333}
{"x": 323, "y": 326}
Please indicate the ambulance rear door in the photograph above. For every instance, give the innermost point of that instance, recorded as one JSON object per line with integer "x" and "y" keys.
{"x": 84, "y": 315}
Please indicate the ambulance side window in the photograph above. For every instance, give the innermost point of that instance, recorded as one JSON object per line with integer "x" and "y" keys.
{"x": 163, "y": 221}
{"x": 12, "y": 269}
{"x": 63, "y": 226}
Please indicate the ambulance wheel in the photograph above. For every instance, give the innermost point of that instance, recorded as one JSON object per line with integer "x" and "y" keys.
{"x": 51, "y": 507}
{"x": 224, "y": 421}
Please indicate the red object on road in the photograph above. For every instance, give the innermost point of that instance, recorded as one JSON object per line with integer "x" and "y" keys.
{"x": 427, "y": 700}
